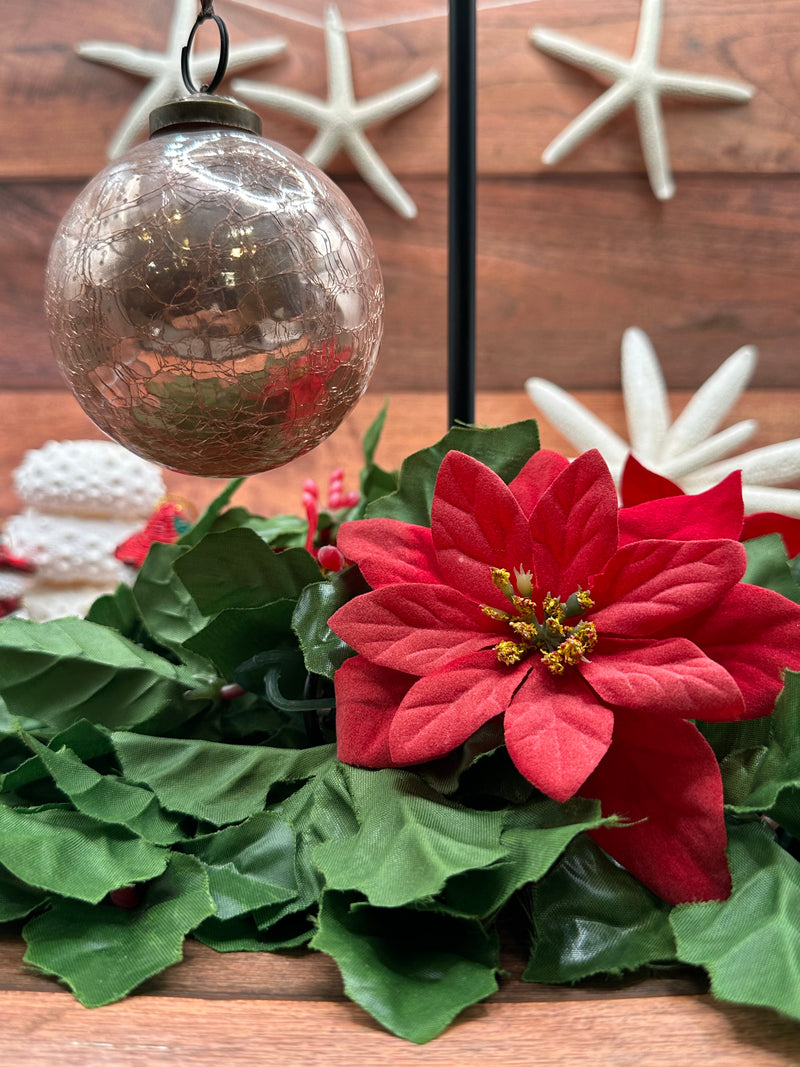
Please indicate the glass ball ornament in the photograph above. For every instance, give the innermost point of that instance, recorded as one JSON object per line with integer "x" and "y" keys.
{"x": 214, "y": 300}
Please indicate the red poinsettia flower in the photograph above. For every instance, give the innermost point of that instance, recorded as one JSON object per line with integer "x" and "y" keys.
{"x": 523, "y": 601}
{"x": 641, "y": 487}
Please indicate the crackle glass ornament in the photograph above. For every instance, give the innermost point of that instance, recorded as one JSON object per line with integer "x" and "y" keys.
{"x": 214, "y": 301}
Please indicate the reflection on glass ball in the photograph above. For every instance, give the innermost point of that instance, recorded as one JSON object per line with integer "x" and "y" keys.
{"x": 215, "y": 302}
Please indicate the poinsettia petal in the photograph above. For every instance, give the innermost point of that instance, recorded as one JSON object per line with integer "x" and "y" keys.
{"x": 476, "y": 525}
{"x": 389, "y": 551}
{"x": 767, "y": 522}
{"x": 557, "y": 731}
{"x": 639, "y": 484}
{"x": 414, "y": 628}
{"x": 443, "y": 709}
{"x": 716, "y": 513}
{"x": 367, "y": 697}
{"x": 672, "y": 677}
{"x": 650, "y": 585}
{"x": 574, "y": 526}
{"x": 536, "y": 476}
{"x": 663, "y": 772}
{"x": 755, "y": 634}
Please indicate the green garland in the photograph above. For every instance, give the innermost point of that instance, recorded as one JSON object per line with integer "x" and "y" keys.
{"x": 124, "y": 762}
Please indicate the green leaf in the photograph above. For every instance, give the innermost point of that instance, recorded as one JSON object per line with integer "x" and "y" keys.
{"x": 211, "y": 514}
{"x": 753, "y": 778}
{"x": 117, "y": 610}
{"x": 533, "y": 836}
{"x": 16, "y": 898}
{"x": 103, "y": 952}
{"x": 249, "y": 866}
{"x": 323, "y": 651}
{"x": 164, "y": 604}
{"x": 768, "y": 566}
{"x": 237, "y": 634}
{"x": 73, "y": 854}
{"x": 410, "y": 839}
{"x": 373, "y": 435}
{"x": 589, "y": 916}
{"x": 244, "y": 934}
{"x": 413, "y": 971}
{"x": 321, "y": 811}
{"x": 750, "y": 943}
{"x": 236, "y": 569}
{"x": 107, "y": 797}
{"x": 217, "y": 783}
{"x": 70, "y": 669}
{"x": 504, "y": 449}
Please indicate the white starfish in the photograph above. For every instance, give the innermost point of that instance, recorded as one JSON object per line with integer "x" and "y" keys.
{"x": 638, "y": 81}
{"x": 689, "y": 451}
{"x": 163, "y": 69}
{"x": 341, "y": 119}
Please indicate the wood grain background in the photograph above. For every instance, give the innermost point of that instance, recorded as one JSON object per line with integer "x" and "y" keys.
{"x": 568, "y": 257}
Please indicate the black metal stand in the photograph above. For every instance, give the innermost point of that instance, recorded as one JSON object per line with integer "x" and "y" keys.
{"x": 461, "y": 212}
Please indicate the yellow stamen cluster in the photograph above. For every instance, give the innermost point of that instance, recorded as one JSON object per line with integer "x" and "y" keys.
{"x": 560, "y": 644}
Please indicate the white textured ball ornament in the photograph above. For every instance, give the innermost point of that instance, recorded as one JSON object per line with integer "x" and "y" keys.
{"x": 215, "y": 301}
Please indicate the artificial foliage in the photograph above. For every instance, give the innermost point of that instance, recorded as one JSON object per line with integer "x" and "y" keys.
{"x": 168, "y": 766}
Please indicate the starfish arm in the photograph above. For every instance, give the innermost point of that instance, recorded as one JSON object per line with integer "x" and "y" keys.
{"x": 645, "y": 393}
{"x": 612, "y": 101}
{"x": 377, "y": 175}
{"x": 772, "y": 465}
{"x": 702, "y": 87}
{"x": 340, "y": 75}
{"x": 648, "y": 36}
{"x": 400, "y": 98}
{"x": 579, "y": 425}
{"x": 711, "y": 403}
{"x": 654, "y": 143}
{"x": 766, "y": 498}
{"x": 577, "y": 54}
{"x": 302, "y": 105}
{"x": 135, "y": 122}
{"x": 183, "y": 18}
{"x": 246, "y": 55}
{"x": 132, "y": 60}
{"x": 709, "y": 451}
{"x": 324, "y": 146}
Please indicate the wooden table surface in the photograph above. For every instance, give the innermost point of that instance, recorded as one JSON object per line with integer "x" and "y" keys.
{"x": 290, "y": 1009}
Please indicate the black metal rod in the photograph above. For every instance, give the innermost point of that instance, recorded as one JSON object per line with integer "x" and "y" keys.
{"x": 461, "y": 215}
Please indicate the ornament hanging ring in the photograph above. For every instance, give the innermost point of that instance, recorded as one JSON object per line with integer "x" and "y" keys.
{"x": 206, "y": 13}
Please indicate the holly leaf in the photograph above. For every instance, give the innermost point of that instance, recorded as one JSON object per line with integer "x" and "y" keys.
{"x": 16, "y": 898}
{"x": 236, "y": 569}
{"x": 73, "y": 854}
{"x": 323, "y": 651}
{"x": 754, "y": 777}
{"x": 749, "y": 943}
{"x": 249, "y": 866}
{"x": 164, "y": 604}
{"x": 533, "y": 836}
{"x": 237, "y": 634}
{"x": 215, "y": 782}
{"x": 103, "y": 952}
{"x": 504, "y": 449}
{"x": 589, "y": 916}
{"x": 410, "y": 839}
{"x": 212, "y": 514}
{"x": 71, "y": 669}
{"x": 768, "y": 566}
{"x": 107, "y": 797}
{"x": 412, "y": 971}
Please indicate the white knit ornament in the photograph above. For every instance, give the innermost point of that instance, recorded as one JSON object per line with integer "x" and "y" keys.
{"x": 88, "y": 478}
{"x": 66, "y": 549}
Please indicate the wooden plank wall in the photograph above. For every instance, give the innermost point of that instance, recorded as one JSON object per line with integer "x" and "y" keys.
{"x": 568, "y": 257}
